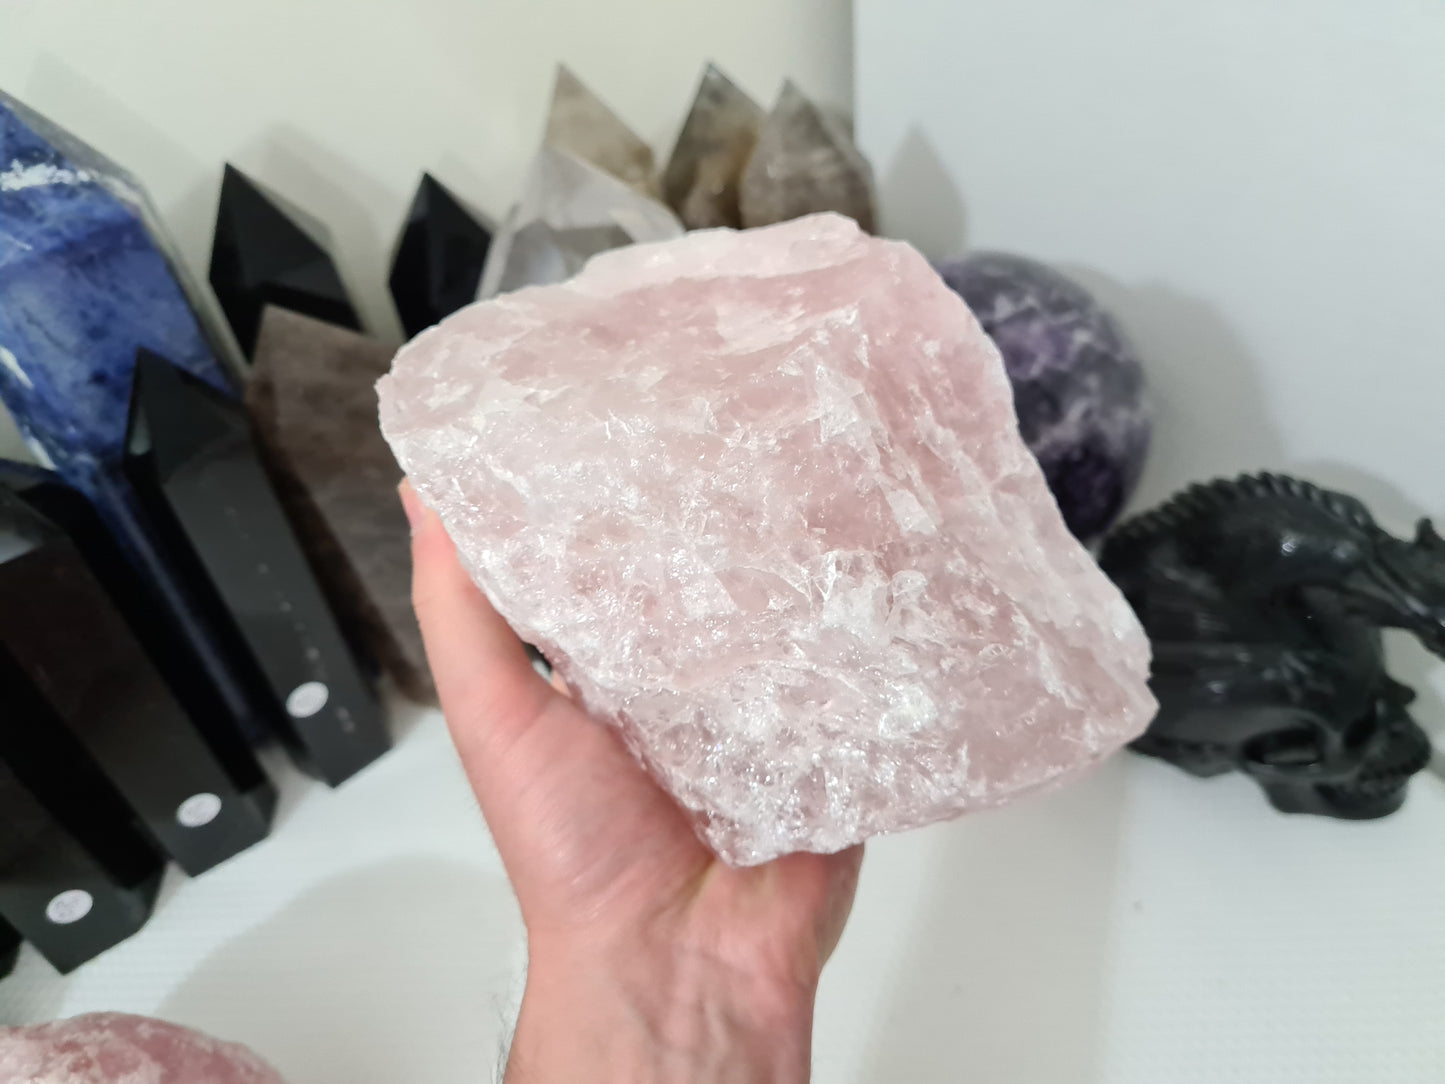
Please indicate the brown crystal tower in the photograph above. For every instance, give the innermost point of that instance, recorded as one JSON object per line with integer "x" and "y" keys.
{"x": 312, "y": 400}
{"x": 805, "y": 161}
{"x": 580, "y": 123}
{"x": 701, "y": 180}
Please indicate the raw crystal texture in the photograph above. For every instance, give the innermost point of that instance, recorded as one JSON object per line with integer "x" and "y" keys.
{"x": 805, "y": 161}
{"x": 266, "y": 253}
{"x": 110, "y": 1048}
{"x": 701, "y": 180}
{"x": 569, "y": 211}
{"x": 580, "y": 123}
{"x": 438, "y": 259}
{"x": 1078, "y": 385}
{"x": 761, "y": 499}
{"x": 311, "y": 399}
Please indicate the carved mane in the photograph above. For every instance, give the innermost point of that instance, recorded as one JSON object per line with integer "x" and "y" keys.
{"x": 1208, "y": 498}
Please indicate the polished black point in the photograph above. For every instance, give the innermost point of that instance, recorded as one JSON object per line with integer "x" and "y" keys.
{"x": 438, "y": 259}
{"x": 193, "y": 461}
{"x": 77, "y": 873}
{"x": 9, "y": 948}
{"x": 260, "y": 255}
{"x": 1264, "y": 598}
{"x": 93, "y": 644}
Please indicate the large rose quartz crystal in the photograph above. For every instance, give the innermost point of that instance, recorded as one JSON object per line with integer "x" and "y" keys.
{"x": 760, "y": 497}
{"x": 113, "y": 1048}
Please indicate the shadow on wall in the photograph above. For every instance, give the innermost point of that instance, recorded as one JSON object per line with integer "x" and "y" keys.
{"x": 1211, "y": 412}
{"x": 921, "y": 201}
{"x": 406, "y": 971}
{"x": 99, "y": 118}
{"x": 1004, "y": 979}
{"x": 1211, "y": 416}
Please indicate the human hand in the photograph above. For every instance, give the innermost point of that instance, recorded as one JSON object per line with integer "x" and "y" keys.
{"x": 648, "y": 958}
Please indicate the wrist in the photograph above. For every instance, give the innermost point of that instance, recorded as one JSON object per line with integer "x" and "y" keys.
{"x": 657, "y": 1015}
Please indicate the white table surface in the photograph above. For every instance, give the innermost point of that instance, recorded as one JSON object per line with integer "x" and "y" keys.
{"x": 1141, "y": 926}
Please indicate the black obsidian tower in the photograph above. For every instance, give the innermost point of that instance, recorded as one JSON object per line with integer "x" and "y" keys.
{"x": 191, "y": 458}
{"x": 77, "y": 874}
{"x": 261, "y": 255}
{"x": 438, "y": 259}
{"x": 197, "y": 788}
{"x": 9, "y": 948}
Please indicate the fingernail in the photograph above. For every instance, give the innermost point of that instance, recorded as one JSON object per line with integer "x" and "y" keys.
{"x": 411, "y": 505}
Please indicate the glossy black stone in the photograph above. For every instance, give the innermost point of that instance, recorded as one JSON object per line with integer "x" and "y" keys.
{"x": 438, "y": 259}
{"x": 192, "y": 459}
{"x": 9, "y": 948}
{"x": 148, "y": 567}
{"x": 1264, "y": 598}
{"x": 197, "y": 788}
{"x": 76, "y": 873}
{"x": 262, "y": 255}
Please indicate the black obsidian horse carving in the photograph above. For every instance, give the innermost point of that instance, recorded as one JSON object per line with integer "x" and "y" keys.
{"x": 1264, "y": 598}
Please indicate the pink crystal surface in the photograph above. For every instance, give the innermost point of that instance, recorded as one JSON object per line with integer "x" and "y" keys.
{"x": 114, "y": 1048}
{"x": 761, "y": 499}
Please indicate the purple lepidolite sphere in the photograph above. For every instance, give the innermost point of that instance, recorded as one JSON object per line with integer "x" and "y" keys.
{"x": 1078, "y": 387}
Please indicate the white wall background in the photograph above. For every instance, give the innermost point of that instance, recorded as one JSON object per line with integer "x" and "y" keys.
{"x": 340, "y": 104}
{"x": 1257, "y": 189}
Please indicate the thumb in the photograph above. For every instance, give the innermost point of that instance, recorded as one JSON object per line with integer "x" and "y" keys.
{"x": 560, "y": 793}
{"x": 488, "y": 689}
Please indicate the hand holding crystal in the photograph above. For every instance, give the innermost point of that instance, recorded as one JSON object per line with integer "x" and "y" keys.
{"x": 649, "y": 959}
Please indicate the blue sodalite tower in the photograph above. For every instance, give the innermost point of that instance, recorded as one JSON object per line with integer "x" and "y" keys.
{"x": 87, "y": 279}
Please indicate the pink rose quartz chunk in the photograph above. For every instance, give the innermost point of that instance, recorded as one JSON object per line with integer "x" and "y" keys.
{"x": 113, "y": 1048}
{"x": 761, "y": 499}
